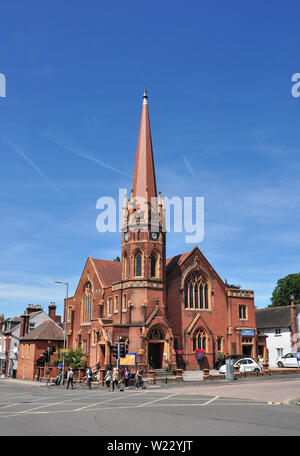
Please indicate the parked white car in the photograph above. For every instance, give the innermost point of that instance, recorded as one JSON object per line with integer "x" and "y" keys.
{"x": 288, "y": 360}
{"x": 245, "y": 365}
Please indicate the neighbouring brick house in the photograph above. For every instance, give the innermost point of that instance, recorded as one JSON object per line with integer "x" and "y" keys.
{"x": 165, "y": 309}
{"x": 48, "y": 335}
{"x": 15, "y": 328}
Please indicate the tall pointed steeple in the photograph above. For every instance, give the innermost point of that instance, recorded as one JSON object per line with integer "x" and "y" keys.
{"x": 144, "y": 173}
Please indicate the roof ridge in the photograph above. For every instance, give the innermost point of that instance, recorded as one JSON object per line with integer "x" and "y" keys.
{"x": 278, "y": 307}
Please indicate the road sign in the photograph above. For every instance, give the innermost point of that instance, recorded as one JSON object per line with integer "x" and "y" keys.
{"x": 298, "y": 355}
{"x": 64, "y": 350}
{"x": 59, "y": 365}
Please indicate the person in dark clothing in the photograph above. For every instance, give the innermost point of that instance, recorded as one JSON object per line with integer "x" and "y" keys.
{"x": 126, "y": 377}
{"x": 138, "y": 379}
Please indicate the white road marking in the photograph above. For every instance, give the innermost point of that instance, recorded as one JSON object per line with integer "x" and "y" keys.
{"x": 47, "y": 405}
{"x": 103, "y": 402}
{"x": 211, "y": 400}
{"x": 9, "y": 405}
{"x": 157, "y": 400}
{"x": 125, "y": 406}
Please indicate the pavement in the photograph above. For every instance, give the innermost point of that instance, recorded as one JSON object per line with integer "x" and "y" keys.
{"x": 196, "y": 375}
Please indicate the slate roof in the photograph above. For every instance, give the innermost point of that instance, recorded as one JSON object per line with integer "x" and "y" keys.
{"x": 109, "y": 271}
{"x": 48, "y": 330}
{"x": 175, "y": 260}
{"x": 274, "y": 317}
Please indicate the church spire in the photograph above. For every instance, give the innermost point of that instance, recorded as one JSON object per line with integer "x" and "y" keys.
{"x": 144, "y": 173}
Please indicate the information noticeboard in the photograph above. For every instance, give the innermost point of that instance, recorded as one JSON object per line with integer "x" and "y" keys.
{"x": 129, "y": 360}
{"x": 248, "y": 332}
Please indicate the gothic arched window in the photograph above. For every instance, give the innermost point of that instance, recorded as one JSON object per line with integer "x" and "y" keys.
{"x": 153, "y": 260}
{"x": 138, "y": 264}
{"x": 86, "y": 305}
{"x": 196, "y": 294}
{"x": 156, "y": 334}
{"x": 199, "y": 340}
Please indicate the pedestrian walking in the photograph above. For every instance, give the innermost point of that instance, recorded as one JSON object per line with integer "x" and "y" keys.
{"x": 115, "y": 378}
{"x": 138, "y": 379}
{"x": 89, "y": 375}
{"x": 108, "y": 378}
{"x": 142, "y": 384}
{"x": 126, "y": 377}
{"x": 70, "y": 378}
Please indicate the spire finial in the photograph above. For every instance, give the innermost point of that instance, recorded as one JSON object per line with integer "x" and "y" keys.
{"x": 145, "y": 97}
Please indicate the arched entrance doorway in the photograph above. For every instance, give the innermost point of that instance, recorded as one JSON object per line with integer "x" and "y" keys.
{"x": 156, "y": 347}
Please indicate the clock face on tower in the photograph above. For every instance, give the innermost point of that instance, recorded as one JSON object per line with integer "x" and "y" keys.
{"x": 154, "y": 236}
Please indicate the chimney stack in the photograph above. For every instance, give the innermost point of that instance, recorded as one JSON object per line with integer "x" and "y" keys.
{"x": 1, "y": 321}
{"x": 52, "y": 312}
{"x": 294, "y": 332}
{"x": 31, "y": 308}
{"x": 24, "y": 324}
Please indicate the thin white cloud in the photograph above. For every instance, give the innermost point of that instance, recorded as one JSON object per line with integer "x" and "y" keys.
{"x": 80, "y": 153}
{"x": 189, "y": 167}
{"x": 32, "y": 164}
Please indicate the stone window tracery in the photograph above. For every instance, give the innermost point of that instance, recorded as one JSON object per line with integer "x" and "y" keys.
{"x": 156, "y": 334}
{"x": 87, "y": 300}
{"x": 196, "y": 292}
{"x": 199, "y": 340}
{"x": 138, "y": 267}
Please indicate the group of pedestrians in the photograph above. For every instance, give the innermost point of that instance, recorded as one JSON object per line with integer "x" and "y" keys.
{"x": 120, "y": 380}
{"x": 114, "y": 379}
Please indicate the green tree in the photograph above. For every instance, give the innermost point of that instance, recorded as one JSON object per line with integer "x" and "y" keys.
{"x": 74, "y": 359}
{"x": 287, "y": 286}
{"x": 231, "y": 285}
{"x": 117, "y": 259}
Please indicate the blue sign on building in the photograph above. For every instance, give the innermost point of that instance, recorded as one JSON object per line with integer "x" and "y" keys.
{"x": 248, "y": 332}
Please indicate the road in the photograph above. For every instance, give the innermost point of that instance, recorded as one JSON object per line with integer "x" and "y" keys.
{"x": 260, "y": 407}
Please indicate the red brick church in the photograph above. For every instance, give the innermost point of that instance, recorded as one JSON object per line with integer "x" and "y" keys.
{"x": 164, "y": 308}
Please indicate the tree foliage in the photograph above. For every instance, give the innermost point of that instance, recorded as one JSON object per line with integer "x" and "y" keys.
{"x": 287, "y": 286}
{"x": 74, "y": 359}
{"x": 231, "y": 285}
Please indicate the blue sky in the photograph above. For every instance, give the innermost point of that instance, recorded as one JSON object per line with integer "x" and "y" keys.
{"x": 224, "y": 126}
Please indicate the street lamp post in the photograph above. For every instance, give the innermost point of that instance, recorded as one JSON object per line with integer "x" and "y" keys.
{"x": 48, "y": 362}
{"x": 65, "y": 306}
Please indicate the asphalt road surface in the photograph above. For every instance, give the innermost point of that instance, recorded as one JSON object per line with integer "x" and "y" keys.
{"x": 261, "y": 408}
